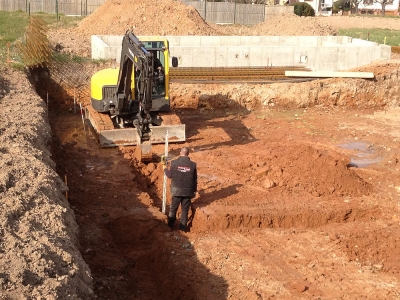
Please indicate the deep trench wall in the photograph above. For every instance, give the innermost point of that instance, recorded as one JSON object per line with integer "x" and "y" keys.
{"x": 38, "y": 232}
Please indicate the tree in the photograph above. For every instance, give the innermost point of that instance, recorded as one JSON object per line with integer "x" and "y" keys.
{"x": 354, "y": 5}
{"x": 341, "y": 5}
{"x": 383, "y": 3}
{"x": 304, "y": 9}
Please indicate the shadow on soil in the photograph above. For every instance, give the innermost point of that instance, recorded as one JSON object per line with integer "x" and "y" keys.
{"x": 123, "y": 235}
{"x": 230, "y": 125}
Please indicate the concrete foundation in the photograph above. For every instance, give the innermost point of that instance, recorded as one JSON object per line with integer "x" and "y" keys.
{"x": 318, "y": 53}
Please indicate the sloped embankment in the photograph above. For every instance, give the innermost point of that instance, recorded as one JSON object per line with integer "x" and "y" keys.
{"x": 39, "y": 257}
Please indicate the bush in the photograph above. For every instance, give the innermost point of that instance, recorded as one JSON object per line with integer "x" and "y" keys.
{"x": 304, "y": 9}
{"x": 342, "y": 5}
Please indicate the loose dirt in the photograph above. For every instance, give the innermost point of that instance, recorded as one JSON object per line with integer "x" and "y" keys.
{"x": 298, "y": 185}
{"x": 39, "y": 257}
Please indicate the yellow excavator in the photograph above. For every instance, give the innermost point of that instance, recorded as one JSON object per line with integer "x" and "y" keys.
{"x": 130, "y": 105}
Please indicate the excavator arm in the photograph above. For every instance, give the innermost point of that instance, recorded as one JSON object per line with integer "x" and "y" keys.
{"x": 135, "y": 59}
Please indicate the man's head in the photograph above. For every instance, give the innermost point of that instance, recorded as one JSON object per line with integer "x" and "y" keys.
{"x": 184, "y": 151}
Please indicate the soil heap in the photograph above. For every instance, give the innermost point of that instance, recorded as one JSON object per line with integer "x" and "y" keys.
{"x": 284, "y": 25}
{"x": 170, "y": 17}
{"x": 39, "y": 258}
{"x": 145, "y": 17}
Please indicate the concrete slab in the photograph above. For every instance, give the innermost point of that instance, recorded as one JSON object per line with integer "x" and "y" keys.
{"x": 347, "y": 58}
{"x": 238, "y": 57}
{"x": 319, "y": 53}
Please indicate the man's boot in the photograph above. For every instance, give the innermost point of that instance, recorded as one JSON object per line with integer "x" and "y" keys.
{"x": 171, "y": 222}
{"x": 182, "y": 227}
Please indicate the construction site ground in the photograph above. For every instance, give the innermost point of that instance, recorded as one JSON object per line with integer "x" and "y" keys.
{"x": 298, "y": 189}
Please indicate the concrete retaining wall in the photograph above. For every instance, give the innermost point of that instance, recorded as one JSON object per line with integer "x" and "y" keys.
{"x": 318, "y": 53}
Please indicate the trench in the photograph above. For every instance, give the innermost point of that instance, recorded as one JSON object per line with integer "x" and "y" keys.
{"x": 123, "y": 237}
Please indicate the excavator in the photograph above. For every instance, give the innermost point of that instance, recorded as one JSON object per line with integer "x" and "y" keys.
{"x": 130, "y": 105}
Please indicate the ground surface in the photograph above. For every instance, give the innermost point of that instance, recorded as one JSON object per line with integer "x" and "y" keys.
{"x": 298, "y": 187}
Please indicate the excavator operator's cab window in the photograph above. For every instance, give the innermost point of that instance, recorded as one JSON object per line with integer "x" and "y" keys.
{"x": 159, "y": 73}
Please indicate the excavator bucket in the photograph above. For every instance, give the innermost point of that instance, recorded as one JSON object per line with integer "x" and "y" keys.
{"x": 143, "y": 152}
{"x": 130, "y": 136}
{"x": 108, "y": 136}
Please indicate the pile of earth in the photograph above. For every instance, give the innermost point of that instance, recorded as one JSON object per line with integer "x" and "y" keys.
{"x": 175, "y": 18}
{"x": 170, "y": 17}
{"x": 299, "y": 168}
{"x": 39, "y": 256}
{"x": 282, "y": 25}
{"x": 145, "y": 17}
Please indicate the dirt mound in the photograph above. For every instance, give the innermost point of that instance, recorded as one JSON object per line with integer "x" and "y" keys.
{"x": 293, "y": 25}
{"x": 145, "y": 18}
{"x": 284, "y": 25}
{"x": 301, "y": 168}
{"x": 170, "y": 17}
{"x": 39, "y": 257}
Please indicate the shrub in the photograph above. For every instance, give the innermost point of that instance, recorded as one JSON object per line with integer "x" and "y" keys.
{"x": 304, "y": 9}
{"x": 342, "y": 5}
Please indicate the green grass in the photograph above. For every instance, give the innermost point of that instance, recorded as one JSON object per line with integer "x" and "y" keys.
{"x": 13, "y": 25}
{"x": 381, "y": 36}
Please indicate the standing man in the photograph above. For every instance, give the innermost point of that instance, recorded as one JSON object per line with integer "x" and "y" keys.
{"x": 183, "y": 173}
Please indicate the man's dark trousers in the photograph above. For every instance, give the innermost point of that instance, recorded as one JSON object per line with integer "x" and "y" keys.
{"x": 185, "y": 205}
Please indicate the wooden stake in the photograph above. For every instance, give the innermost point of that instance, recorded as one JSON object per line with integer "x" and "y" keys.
{"x": 164, "y": 198}
{"x": 66, "y": 183}
{"x": 74, "y": 102}
{"x": 83, "y": 119}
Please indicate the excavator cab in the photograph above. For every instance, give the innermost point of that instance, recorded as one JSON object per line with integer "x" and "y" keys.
{"x": 130, "y": 105}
